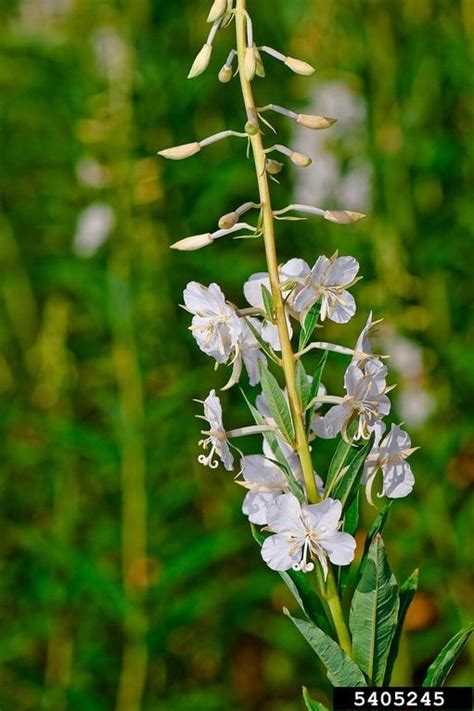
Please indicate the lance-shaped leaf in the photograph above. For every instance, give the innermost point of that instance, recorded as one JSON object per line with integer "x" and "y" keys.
{"x": 341, "y": 669}
{"x": 302, "y": 385}
{"x": 280, "y": 458}
{"x": 377, "y": 527}
{"x": 346, "y": 487}
{"x": 407, "y": 593}
{"x": 301, "y": 590}
{"x": 309, "y": 324}
{"x": 314, "y": 387}
{"x": 444, "y": 662}
{"x": 340, "y": 455}
{"x": 266, "y": 348}
{"x": 277, "y": 404}
{"x": 374, "y": 613}
{"x": 312, "y": 705}
{"x": 267, "y": 303}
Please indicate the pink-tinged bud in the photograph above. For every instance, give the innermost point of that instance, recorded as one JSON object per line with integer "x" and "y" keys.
{"x": 300, "y": 159}
{"x": 343, "y": 217}
{"x": 190, "y": 244}
{"x": 250, "y": 63}
{"x": 217, "y": 10}
{"x": 179, "y": 152}
{"x": 273, "y": 167}
{"x": 315, "y": 122}
{"x": 299, "y": 67}
{"x": 228, "y": 221}
{"x": 201, "y": 62}
{"x": 225, "y": 74}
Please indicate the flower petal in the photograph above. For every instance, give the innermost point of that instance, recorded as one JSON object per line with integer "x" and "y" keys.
{"x": 340, "y": 547}
{"x": 276, "y": 552}
{"x": 256, "y": 505}
{"x": 285, "y": 515}
{"x": 253, "y": 289}
{"x": 343, "y": 271}
{"x": 325, "y": 515}
{"x": 332, "y": 422}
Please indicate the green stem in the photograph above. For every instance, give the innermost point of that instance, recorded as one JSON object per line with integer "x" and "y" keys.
{"x": 288, "y": 358}
{"x": 334, "y": 604}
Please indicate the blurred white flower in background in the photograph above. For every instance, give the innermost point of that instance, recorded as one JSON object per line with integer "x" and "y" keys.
{"x": 327, "y": 181}
{"x": 94, "y": 225}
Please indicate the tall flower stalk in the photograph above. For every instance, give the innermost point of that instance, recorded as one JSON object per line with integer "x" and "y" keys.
{"x": 307, "y": 521}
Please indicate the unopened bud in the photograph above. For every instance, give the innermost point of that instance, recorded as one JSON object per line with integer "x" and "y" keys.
{"x": 225, "y": 74}
{"x": 229, "y": 220}
{"x": 343, "y": 217}
{"x": 260, "y": 69}
{"x": 251, "y": 127}
{"x": 179, "y": 152}
{"x": 250, "y": 63}
{"x": 217, "y": 10}
{"x": 300, "y": 159}
{"x": 201, "y": 62}
{"x": 273, "y": 167}
{"x": 299, "y": 67}
{"x": 190, "y": 244}
{"x": 315, "y": 122}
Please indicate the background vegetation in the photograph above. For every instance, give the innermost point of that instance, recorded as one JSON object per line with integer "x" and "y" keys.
{"x": 128, "y": 577}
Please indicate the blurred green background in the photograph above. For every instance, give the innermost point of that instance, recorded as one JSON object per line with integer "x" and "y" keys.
{"x": 129, "y": 580}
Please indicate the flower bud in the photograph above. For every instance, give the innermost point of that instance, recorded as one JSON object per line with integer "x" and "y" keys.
{"x": 228, "y": 221}
{"x": 225, "y": 74}
{"x": 251, "y": 127}
{"x": 189, "y": 244}
{"x": 179, "y": 152}
{"x": 315, "y": 122}
{"x": 217, "y": 10}
{"x": 273, "y": 167}
{"x": 300, "y": 159}
{"x": 343, "y": 217}
{"x": 299, "y": 67}
{"x": 201, "y": 61}
{"x": 250, "y": 63}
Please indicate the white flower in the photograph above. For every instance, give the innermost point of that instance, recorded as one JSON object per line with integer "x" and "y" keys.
{"x": 249, "y": 349}
{"x": 215, "y": 326}
{"x": 265, "y": 481}
{"x": 290, "y": 272}
{"x": 366, "y": 398}
{"x": 216, "y": 437}
{"x": 329, "y": 280}
{"x": 390, "y": 456}
{"x": 303, "y": 532}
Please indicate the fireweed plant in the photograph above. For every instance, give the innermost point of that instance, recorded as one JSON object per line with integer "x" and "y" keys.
{"x": 304, "y": 522}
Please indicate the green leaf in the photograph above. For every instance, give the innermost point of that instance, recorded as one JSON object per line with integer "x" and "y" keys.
{"x": 266, "y": 348}
{"x": 314, "y": 387}
{"x": 348, "y": 484}
{"x": 301, "y": 590}
{"x": 377, "y": 527}
{"x": 267, "y": 303}
{"x": 340, "y": 455}
{"x": 309, "y": 324}
{"x": 407, "y": 593}
{"x": 277, "y": 404}
{"x": 444, "y": 662}
{"x": 310, "y": 704}
{"x": 374, "y": 613}
{"x": 302, "y": 385}
{"x": 280, "y": 458}
{"x": 341, "y": 670}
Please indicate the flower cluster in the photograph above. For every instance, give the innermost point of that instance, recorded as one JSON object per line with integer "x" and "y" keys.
{"x": 276, "y": 493}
